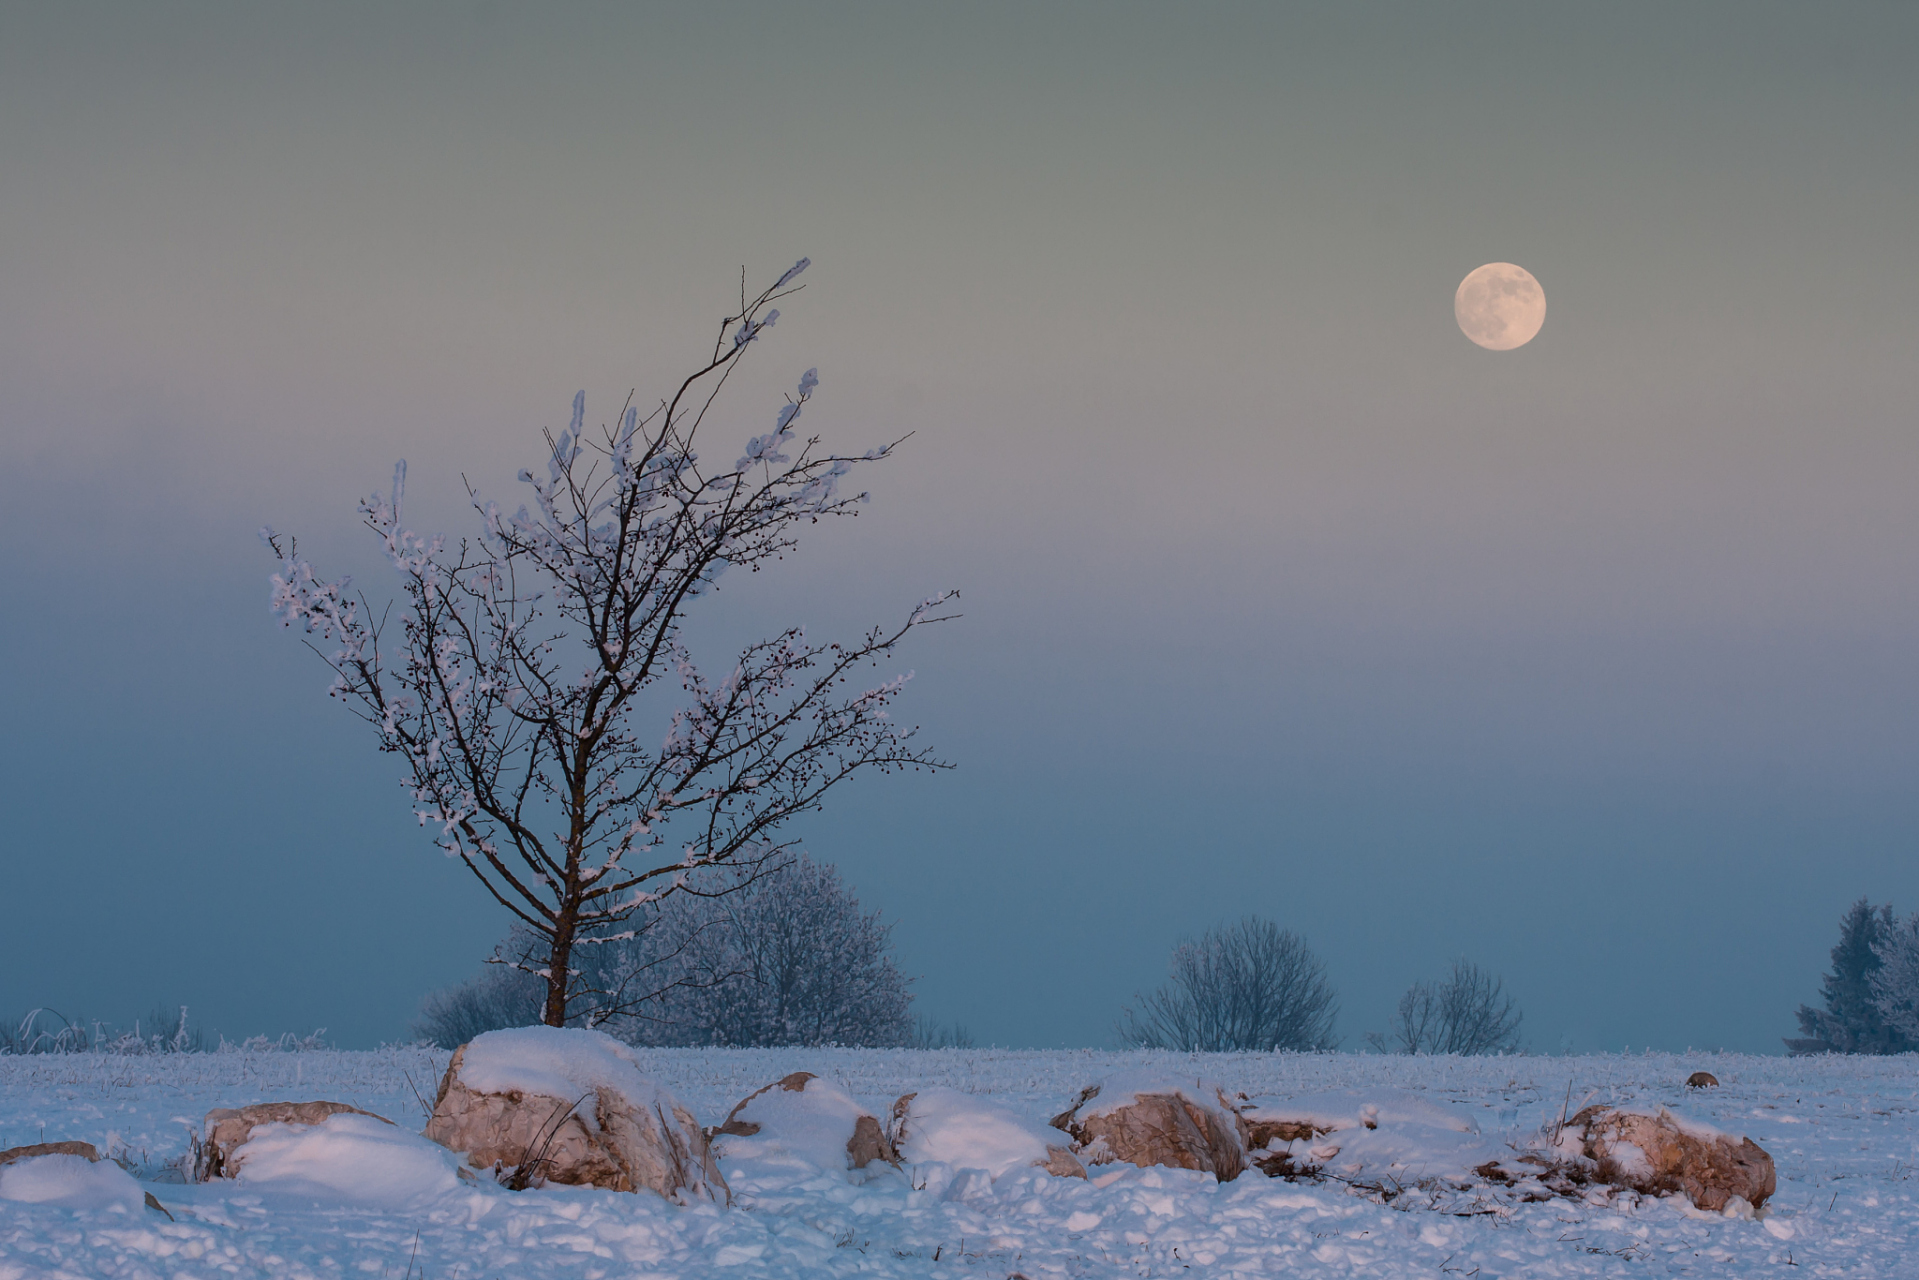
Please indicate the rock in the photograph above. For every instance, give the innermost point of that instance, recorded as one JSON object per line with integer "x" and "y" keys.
{"x": 85, "y": 1149}
{"x": 804, "y": 1116}
{"x": 1062, "y": 1163}
{"x": 552, "y": 1104}
{"x": 1152, "y": 1122}
{"x": 1702, "y": 1080}
{"x": 1373, "y": 1134}
{"x": 965, "y": 1131}
{"x": 226, "y": 1130}
{"x": 1659, "y": 1154}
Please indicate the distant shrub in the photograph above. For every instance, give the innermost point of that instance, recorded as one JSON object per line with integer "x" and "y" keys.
{"x": 499, "y": 998}
{"x": 930, "y": 1033}
{"x": 788, "y": 959}
{"x": 1468, "y": 1012}
{"x": 1250, "y": 985}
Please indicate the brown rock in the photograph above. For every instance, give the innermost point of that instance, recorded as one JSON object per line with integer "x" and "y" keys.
{"x": 1261, "y": 1132}
{"x": 1702, "y": 1080}
{"x": 867, "y": 1143}
{"x": 86, "y": 1149}
{"x": 1062, "y": 1163}
{"x": 530, "y": 1139}
{"x": 1657, "y": 1155}
{"x": 1163, "y": 1127}
{"x": 226, "y": 1130}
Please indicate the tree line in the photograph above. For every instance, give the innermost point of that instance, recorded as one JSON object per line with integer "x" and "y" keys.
{"x": 792, "y": 959}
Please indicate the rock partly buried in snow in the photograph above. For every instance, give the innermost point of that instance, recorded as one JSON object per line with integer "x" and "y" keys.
{"x": 1702, "y": 1080}
{"x": 1376, "y": 1135}
{"x": 802, "y": 1117}
{"x": 554, "y": 1104}
{"x": 1150, "y": 1121}
{"x": 347, "y": 1156}
{"x": 70, "y": 1175}
{"x": 85, "y": 1150}
{"x": 227, "y": 1129}
{"x": 1660, "y": 1153}
{"x": 965, "y": 1131}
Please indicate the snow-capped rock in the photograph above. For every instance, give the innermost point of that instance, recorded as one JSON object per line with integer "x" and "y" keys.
{"x": 560, "y": 1104}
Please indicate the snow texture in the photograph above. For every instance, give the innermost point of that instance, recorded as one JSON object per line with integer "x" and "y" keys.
{"x": 1125, "y": 1088}
{"x": 71, "y": 1182}
{"x": 800, "y": 1128}
{"x": 1383, "y": 1137}
{"x": 559, "y": 1062}
{"x": 963, "y": 1130}
{"x": 1844, "y": 1131}
{"x": 350, "y": 1158}
{"x": 1363, "y": 1109}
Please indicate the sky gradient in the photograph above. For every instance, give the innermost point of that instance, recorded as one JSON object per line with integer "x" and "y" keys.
{"x": 1591, "y": 661}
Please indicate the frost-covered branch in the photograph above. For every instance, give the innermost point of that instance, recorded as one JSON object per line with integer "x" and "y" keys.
{"x": 514, "y": 686}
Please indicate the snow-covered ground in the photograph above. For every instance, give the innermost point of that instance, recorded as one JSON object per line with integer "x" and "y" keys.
{"x": 1843, "y": 1131}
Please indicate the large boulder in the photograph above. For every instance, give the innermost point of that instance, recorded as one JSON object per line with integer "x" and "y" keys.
{"x": 1157, "y": 1122}
{"x": 552, "y": 1104}
{"x": 802, "y": 1117}
{"x": 965, "y": 1131}
{"x": 1659, "y": 1153}
{"x": 227, "y": 1129}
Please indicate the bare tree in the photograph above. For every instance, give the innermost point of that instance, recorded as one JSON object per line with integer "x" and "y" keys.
{"x": 500, "y": 997}
{"x": 527, "y": 657}
{"x": 1468, "y": 1012}
{"x": 788, "y": 959}
{"x": 792, "y": 961}
{"x": 1250, "y": 985}
{"x": 930, "y": 1033}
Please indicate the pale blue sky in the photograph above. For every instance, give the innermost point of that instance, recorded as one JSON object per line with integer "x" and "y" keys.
{"x": 1592, "y": 661}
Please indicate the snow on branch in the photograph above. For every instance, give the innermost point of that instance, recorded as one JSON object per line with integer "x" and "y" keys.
{"x": 516, "y": 682}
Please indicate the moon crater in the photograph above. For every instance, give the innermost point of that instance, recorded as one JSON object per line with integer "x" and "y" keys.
{"x": 1500, "y": 306}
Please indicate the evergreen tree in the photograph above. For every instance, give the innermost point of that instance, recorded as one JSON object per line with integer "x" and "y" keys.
{"x": 1851, "y": 1022}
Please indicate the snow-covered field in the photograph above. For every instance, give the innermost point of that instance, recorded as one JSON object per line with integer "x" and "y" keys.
{"x": 1843, "y": 1131}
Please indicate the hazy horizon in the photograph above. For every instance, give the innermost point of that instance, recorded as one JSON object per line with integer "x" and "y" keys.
{"x": 1590, "y": 661}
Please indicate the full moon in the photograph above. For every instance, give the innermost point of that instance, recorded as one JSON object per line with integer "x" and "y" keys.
{"x": 1500, "y": 306}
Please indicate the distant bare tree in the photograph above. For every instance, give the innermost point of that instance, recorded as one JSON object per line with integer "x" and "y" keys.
{"x": 786, "y": 959}
{"x": 525, "y": 679}
{"x": 1250, "y": 985}
{"x": 792, "y": 961}
{"x": 1468, "y": 1012}
{"x": 500, "y": 997}
{"x": 931, "y": 1033}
